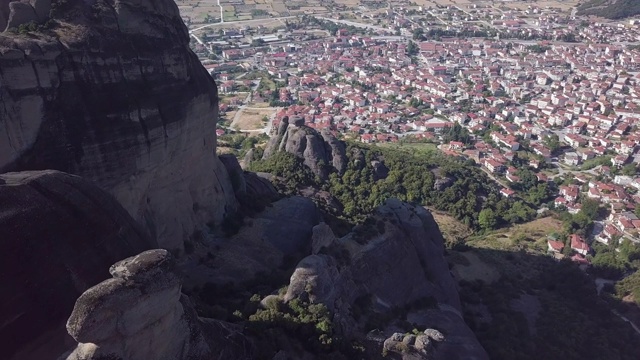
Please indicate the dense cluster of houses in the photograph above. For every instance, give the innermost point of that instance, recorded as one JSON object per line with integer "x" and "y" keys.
{"x": 518, "y": 93}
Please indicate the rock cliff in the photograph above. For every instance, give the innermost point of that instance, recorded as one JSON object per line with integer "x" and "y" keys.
{"x": 395, "y": 261}
{"x": 140, "y": 314}
{"x": 110, "y": 91}
{"x": 59, "y": 234}
{"x": 321, "y": 151}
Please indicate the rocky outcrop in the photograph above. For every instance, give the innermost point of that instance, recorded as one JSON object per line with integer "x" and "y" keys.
{"x": 140, "y": 314}
{"x": 282, "y": 230}
{"x": 442, "y": 184}
{"x": 259, "y": 185}
{"x": 410, "y": 347}
{"x": 322, "y": 237}
{"x": 20, "y": 13}
{"x": 16, "y": 13}
{"x": 112, "y": 93}
{"x": 380, "y": 170}
{"x": 236, "y": 174}
{"x": 396, "y": 260}
{"x": 59, "y": 234}
{"x": 4, "y": 14}
{"x": 320, "y": 151}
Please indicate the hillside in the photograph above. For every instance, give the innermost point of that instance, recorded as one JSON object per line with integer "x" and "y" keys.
{"x": 610, "y": 9}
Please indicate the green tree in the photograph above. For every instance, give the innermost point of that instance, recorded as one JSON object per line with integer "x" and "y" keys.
{"x": 629, "y": 170}
{"x": 487, "y": 219}
{"x": 552, "y": 142}
{"x": 590, "y": 208}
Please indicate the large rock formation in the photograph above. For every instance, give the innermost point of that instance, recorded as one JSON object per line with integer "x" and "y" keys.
{"x": 320, "y": 151}
{"x": 113, "y": 93}
{"x": 59, "y": 234}
{"x": 282, "y": 230}
{"x": 140, "y": 314}
{"x": 396, "y": 260}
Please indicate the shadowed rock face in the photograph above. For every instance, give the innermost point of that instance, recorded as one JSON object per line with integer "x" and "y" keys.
{"x": 140, "y": 314}
{"x": 114, "y": 94}
{"x": 59, "y": 234}
{"x": 319, "y": 150}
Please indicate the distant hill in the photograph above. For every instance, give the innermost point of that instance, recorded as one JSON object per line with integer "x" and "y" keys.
{"x": 610, "y": 9}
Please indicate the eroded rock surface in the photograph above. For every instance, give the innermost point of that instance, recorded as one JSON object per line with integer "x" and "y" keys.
{"x": 395, "y": 261}
{"x": 113, "y": 93}
{"x": 140, "y": 314}
{"x": 320, "y": 151}
{"x": 59, "y": 234}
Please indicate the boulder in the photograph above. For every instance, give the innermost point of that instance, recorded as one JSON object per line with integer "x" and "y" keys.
{"x": 259, "y": 186}
{"x": 434, "y": 334}
{"x": 322, "y": 237}
{"x": 380, "y": 170}
{"x": 423, "y": 343}
{"x": 315, "y": 279}
{"x": 442, "y": 183}
{"x": 20, "y": 14}
{"x": 141, "y": 314}
{"x": 59, "y": 234}
{"x": 236, "y": 174}
{"x": 409, "y": 339}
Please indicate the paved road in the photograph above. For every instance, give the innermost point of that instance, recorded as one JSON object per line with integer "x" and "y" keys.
{"x": 262, "y": 21}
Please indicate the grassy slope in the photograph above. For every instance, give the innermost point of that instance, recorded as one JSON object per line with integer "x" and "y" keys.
{"x": 611, "y": 9}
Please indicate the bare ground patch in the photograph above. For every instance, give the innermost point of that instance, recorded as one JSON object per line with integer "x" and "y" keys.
{"x": 251, "y": 119}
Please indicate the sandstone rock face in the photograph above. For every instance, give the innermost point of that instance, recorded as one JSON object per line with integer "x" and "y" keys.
{"x": 42, "y": 8}
{"x": 283, "y": 229}
{"x": 4, "y": 14}
{"x": 59, "y": 234}
{"x": 320, "y": 151}
{"x": 258, "y": 185}
{"x": 141, "y": 314}
{"x": 236, "y": 174}
{"x": 397, "y": 264}
{"x": 322, "y": 237}
{"x": 20, "y": 13}
{"x": 118, "y": 98}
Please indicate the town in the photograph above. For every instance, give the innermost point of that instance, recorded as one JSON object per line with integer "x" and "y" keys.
{"x": 546, "y": 102}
